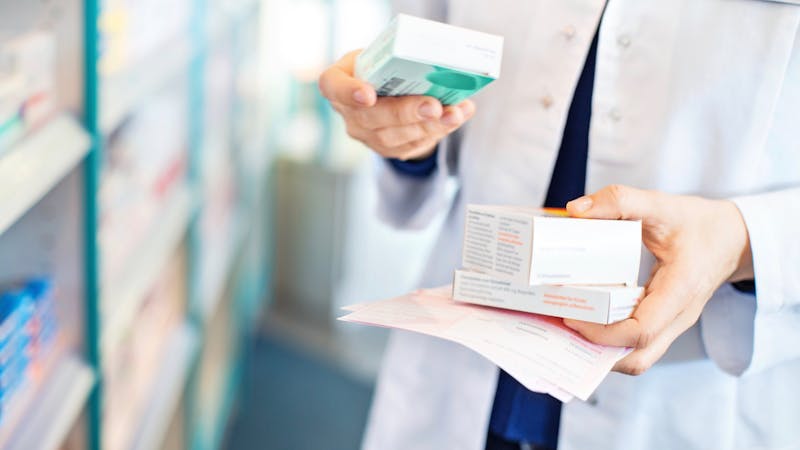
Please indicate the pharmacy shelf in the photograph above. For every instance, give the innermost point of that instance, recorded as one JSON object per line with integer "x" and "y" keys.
{"x": 213, "y": 287}
{"x": 179, "y": 355}
{"x": 35, "y": 165}
{"x": 56, "y": 408}
{"x": 123, "y": 298}
{"x": 235, "y": 16}
{"x": 121, "y": 93}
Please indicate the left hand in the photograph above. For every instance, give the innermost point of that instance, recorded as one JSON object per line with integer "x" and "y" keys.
{"x": 698, "y": 244}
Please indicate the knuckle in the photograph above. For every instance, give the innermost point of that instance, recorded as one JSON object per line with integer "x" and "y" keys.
{"x": 406, "y": 110}
{"x": 353, "y": 131}
{"x": 368, "y": 118}
{"x": 617, "y": 192}
{"x": 397, "y": 113}
{"x": 385, "y": 138}
{"x": 637, "y": 366}
{"x": 432, "y": 129}
{"x": 645, "y": 338}
{"x": 322, "y": 84}
{"x": 339, "y": 108}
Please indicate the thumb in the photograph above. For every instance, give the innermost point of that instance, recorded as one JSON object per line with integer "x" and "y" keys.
{"x": 614, "y": 202}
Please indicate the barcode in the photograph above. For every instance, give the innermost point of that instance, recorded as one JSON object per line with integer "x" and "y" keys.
{"x": 390, "y": 86}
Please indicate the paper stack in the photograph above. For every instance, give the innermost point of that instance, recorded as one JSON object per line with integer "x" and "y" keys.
{"x": 537, "y": 350}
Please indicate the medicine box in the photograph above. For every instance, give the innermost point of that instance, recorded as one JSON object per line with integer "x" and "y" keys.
{"x": 415, "y": 56}
{"x": 599, "y": 304}
{"x": 535, "y": 246}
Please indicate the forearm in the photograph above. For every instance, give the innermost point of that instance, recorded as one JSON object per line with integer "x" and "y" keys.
{"x": 412, "y": 193}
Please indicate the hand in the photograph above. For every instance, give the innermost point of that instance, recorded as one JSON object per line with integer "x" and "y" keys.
{"x": 395, "y": 127}
{"x": 698, "y": 245}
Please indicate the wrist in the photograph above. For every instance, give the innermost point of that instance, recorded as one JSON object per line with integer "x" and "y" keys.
{"x": 422, "y": 156}
{"x": 743, "y": 253}
{"x": 415, "y": 168}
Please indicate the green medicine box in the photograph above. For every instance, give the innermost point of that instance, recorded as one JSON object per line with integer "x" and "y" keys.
{"x": 415, "y": 56}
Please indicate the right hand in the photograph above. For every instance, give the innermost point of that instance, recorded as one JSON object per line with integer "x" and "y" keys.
{"x": 406, "y": 128}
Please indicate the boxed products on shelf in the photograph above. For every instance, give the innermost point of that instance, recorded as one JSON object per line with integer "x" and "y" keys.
{"x": 132, "y": 30}
{"x": 145, "y": 163}
{"x": 28, "y": 331}
{"x": 218, "y": 166}
{"x": 132, "y": 369}
{"x": 27, "y": 84}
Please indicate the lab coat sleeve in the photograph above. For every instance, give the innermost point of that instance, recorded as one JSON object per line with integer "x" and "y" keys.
{"x": 408, "y": 202}
{"x": 411, "y": 202}
{"x": 743, "y": 334}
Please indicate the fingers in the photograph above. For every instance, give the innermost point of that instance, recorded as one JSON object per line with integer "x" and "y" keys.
{"x": 338, "y": 84}
{"x": 402, "y": 127}
{"x": 615, "y": 202}
{"x": 669, "y": 293}
{"x": 408, "y": 110}
{"x": 407, "y": 141}
{"x": 454, "y": 116}
{"x": 620, "y": 334}
{"x": 639, "y": 361}
{"x": 393, "y": 111}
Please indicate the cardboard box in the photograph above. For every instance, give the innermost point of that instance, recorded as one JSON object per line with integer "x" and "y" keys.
{"x": 535, "y": 246}
{"x": 599, "y": 304}
{"x": 415, "y": 56}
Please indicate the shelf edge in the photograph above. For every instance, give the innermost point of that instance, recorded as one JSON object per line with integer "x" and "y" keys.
{"x": 37, "y": 164}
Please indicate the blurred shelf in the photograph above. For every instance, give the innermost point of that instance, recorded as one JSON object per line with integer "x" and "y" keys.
{"x": 227, "y": 21}
{"x": 122, "y": 298}
{"x": 35, "y": 165}
{"x": 121, "y": 93}
{"x": 179, "y": 354}
{"x": 213, "y": 287}
{"x": 55, "y": 409}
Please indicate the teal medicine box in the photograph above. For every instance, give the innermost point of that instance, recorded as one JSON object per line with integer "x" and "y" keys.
{"x": 415, "y": 56}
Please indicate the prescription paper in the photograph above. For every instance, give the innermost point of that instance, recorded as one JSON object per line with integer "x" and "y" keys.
{"x": 538, "y": 351}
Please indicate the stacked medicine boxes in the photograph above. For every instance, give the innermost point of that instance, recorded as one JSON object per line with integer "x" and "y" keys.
{"x": 28, "y": 328}
{"x": 541, "y": 261}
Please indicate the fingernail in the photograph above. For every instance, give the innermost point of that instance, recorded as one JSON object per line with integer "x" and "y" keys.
{"x": 580, "y": 204}
{"x": 360, "y": 97}
{"x": 427, "y": 111}
{"x": 450, "y": 119}
{"x": 466, "y": 109}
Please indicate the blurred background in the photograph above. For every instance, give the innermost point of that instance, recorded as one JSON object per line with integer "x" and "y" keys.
{"x": 181, "y": 219}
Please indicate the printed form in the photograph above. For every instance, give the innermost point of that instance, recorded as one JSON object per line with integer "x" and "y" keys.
{"x": 537, "y": 350}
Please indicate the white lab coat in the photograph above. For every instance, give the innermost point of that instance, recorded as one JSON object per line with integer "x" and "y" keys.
{"x": 691, "y": 96}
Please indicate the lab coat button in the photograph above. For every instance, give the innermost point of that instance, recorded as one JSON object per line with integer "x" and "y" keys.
{"x": 568, "y": 32}
{"x": 614, "y": 115}
{"x": 546, "y": 101}
{"x": 624, "y": 41}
